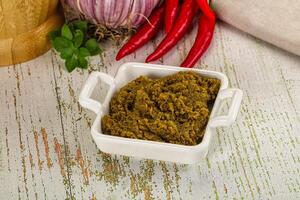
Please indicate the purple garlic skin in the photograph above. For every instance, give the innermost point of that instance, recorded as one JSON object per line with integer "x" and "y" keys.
{"x": 115, "y": 13}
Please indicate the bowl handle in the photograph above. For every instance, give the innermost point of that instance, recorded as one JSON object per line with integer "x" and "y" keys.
{"x": 236, "y": 96}
{"x": 85, "y": 95}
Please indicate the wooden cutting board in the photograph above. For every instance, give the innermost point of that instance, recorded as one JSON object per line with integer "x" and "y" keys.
{"x": 24, "y": 26}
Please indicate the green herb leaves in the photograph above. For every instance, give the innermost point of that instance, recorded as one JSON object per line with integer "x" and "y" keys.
{"x": 71, "y": 63}
{"x": 66, "y": 32}
{"x": 73, "y": 45}
{"x": 82, "y": 25}
{"x": 93, "y": 46}
{"x": 78, "y": 38}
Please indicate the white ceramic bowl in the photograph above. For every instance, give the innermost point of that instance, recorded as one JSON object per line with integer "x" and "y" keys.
{"x": 150, "y": 149}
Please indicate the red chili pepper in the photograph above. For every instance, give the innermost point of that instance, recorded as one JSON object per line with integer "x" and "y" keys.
{"x": 205, "y": 9}
{"x": 144, "y": 34}
{"x": 202, "y": 42}
{"x": 170, "y": 14}
{"x": 205, "y": 33}
{"x": 184, "y": 21}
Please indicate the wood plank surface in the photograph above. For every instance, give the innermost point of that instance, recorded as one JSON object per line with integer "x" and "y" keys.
{"x": 47, "y": 152}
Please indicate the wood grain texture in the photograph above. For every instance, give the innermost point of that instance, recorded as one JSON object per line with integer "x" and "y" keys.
{"x": 20, "y": 16}
{"x": 24, "y": 28}
{"x": 29, "y": 45}
{"x": 47, "y": 152}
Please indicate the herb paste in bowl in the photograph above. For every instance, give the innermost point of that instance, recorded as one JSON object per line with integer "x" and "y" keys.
{"x": 173, "y": 109}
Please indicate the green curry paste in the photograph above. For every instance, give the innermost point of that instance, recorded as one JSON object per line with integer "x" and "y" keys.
{"x": 173, "y": 109}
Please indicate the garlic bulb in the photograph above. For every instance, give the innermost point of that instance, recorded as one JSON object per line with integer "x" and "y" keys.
{"x": 115, "y": 13}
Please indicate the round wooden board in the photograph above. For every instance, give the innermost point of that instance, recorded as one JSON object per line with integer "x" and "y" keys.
{"x": 29, "y": 45}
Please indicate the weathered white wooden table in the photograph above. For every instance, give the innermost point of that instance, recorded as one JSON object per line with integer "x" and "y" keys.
{"x": 47, "y": 152}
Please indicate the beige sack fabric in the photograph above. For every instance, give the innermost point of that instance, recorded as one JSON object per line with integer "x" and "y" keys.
{"x": 274, "y": 21}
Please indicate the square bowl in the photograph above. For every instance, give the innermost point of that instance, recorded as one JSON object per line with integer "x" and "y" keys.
{"x": 152, "y": 149}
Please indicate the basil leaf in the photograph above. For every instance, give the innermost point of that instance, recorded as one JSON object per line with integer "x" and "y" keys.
{"x": 66, "y": 32}
{"x": 82, "y": 62}
{"x": 66, "y": 53}
{"x": 78, "y": 38}
{"x": 61, "y": 43}
{"x": 71, "y": 64}
{"x": 93, "y": 46}
{"x": 82, "y": 25}
{"x": 72, "y": 42}
{"x": 53, "y": 34}
{"x": 76, "y": 52}
{"x": 83, "y": 52}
